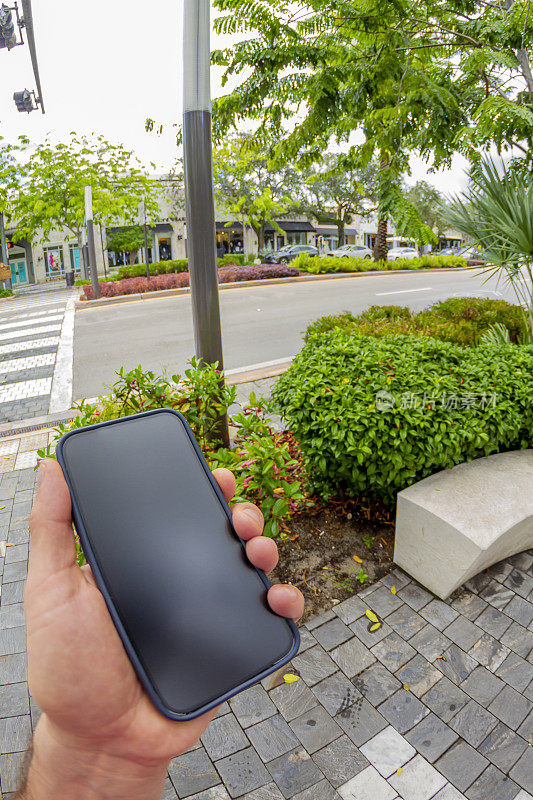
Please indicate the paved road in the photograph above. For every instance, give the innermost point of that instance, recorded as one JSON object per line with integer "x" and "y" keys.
{"x": 31, "y": 362}
{"x": 259, "y": 324}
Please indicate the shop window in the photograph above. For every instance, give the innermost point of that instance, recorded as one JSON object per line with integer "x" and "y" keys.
{"x": 297, "y": 237}
{"x": 165, "y": 249}
{"x": 53, "y": 261}
{"x": 75, "y": 258}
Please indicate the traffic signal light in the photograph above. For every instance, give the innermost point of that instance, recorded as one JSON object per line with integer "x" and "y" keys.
{"x": 7, "y": 28}
{"x": 24, "y": 101}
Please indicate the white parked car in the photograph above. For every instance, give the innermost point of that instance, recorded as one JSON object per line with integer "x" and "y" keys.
{"x": 351, "y": 251}
{"x": 402, "y": 252}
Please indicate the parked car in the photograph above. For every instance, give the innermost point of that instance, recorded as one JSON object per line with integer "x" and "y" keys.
{"x": 402, "y": 252}
{"x": 351, "y": 251}
{"x": 290, "y": 252}
{"x": 448, "y": 251}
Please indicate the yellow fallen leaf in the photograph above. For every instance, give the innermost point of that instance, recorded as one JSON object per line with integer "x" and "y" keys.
{"x": 399, "y": 771}
{"x": 442, "y": 658}
{"x": 393, "y": 589}
{"x": 375, "y": 626}
{"x": 1, "y": 507}
{"x": 371, "y": 616}
{"x": 8, "y": 544}
{"x": 406, "y": 687}
{"x": 291, "y": 678}
{"x": 359, "y": 560}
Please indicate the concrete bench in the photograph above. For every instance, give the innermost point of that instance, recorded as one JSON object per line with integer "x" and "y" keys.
{"x": 458, "y": 522}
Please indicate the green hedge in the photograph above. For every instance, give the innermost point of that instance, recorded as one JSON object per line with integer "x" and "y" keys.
{"x": 461, "y": 320}
{"x": 318, "y": 265}
{"x": 359, "y": 442}
{"x": 6, "y": 293}
{"x": 156, "y": 268}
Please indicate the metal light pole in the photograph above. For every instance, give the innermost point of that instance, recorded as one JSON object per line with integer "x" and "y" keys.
{"x": 199, "y": 198}
{"x": 142, "y": 215}
{"x": 5, "y": 254}
{"x": 90, "y": 241}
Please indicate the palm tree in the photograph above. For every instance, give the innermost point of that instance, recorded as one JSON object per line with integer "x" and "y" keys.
{"x": 496, "y": 214}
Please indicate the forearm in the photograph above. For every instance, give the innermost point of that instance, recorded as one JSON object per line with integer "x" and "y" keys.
{"x": 61, "y": 770}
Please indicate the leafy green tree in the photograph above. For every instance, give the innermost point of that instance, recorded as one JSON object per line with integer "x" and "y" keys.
{"x": 49, "y": 192}
{"x": 126, "y": 240}
{"x": 429, "y": 203}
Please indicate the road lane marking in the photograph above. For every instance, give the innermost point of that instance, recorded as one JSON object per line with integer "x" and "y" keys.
{"x": 29, "y": 332}
{"x": 404, "y": 291}
{"x": 25, "y": 322}
{"x": 23, "y": 347}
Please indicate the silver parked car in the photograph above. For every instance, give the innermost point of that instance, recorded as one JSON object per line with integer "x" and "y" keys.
{"x": 402, "y": 252}
{"x": 351, "y": 251}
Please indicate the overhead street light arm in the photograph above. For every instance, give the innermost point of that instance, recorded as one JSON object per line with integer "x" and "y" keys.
{"x": 28, "y": 24}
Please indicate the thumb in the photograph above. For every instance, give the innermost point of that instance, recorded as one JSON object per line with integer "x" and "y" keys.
{"x": 52, "y": 538}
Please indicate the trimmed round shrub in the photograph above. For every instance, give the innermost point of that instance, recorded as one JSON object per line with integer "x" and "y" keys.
{"x": 373, "y": 416}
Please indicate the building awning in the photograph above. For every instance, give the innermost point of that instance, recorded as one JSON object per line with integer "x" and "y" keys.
{"x": 291, "y": 227}
{"x": 231, "y": 227}
{"x": 161, "y": 227}
{"x": 334, "y": 232}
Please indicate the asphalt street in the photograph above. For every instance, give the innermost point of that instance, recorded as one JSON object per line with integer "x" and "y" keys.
{"x": 258, "y": 324}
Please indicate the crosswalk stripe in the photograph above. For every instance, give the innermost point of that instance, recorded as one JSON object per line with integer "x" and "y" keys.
{"x": 27, "y": 362}
{"x": 22, "y": 323}
{"x": 29, "y": 332}
{"x": 23, "y": 347}
{"x": 42, "y": 312}
{"x": 24, "y": 389}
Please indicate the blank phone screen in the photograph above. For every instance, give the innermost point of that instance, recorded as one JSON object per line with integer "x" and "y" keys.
{"x": 192, "y": 606}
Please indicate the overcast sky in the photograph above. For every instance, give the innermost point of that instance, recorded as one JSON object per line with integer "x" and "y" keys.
{"x": 106, "y": 67}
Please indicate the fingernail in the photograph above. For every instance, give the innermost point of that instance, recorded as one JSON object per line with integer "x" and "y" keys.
{"x": 293, "y": 591}
{"x": 253, "y": 514}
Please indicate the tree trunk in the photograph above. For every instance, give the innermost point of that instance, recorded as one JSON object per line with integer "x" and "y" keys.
{"x": 380, "y": 246}
{"x": 340, "y": 231}
{"x": 132, "y": 257}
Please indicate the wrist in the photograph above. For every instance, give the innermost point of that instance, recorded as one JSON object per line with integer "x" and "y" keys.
{"x": 63, "y": 767}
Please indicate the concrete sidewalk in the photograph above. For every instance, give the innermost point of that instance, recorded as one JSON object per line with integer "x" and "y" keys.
{"x": 437, "y": 704}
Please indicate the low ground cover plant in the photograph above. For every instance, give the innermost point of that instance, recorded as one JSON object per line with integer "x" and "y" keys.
{"x": 180, "y": 280}
{"x": 373, "y": 415}
{"x": 265, "y": 471}
{"x": 325, "y": 264}
{"x": 462, "y": 320}
{"x": 6, "y": 293}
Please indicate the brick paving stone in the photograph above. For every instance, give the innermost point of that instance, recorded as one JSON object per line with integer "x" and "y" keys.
{"x": 489, "y": 652}
{"x": 500, "y": 571}
{"x": 332, "y": 634}
{"x": 482, "y": 686}
{"x": 510, "y": 707}
{"x": 320, "y": 620}
{"x": 335, "y": 693}
{"x": 523, "y": 795}
{"x": 376, "y": 683}
{"x": 430, "y": 642}
{"x": 252, "y": 705}
{"x": 12, "y": 668}
{"x": 315, "y": 729}
{"x": 388, "y": 751}
{"x": 492, "y": 783}
{"x": 520, "y": 582}
{"x": 367, "y": 785}
{"x": 12, "y": 616}
{"x": 215, "y": 793}
{"x": 515, "y": 671}
{"x": 292, "y": 699}
{"x": 526, "y": 728}
{"x": 361, "y": 721}
{"x": 307, "y": 640}
{"x": 314, "y": 665}
{"x": 397, "y": 578}
{"x": 223, "y": 737}
{"x": 449, "y": 792}
{"x": 340, "y": 761}
{"x": 14, "y": 700}
{"x": 10, "y": 770}
{"x": 518, "y": 639}
{"x": 502, "y": 747}
{"x": 445, "y": 699}
{"x": 272, "y": 737}
{"x": 518, "y": 609}
{"x": 242, "y": 772}
{"x": 352, "y": 657}
{"x": 529, "y": 691}
{"x": 15, "y": 733}
{"x": 393, "y": 652}
{"x": 522, "y": 772}
{"x": 361, "y": 629}
{"x": 523, "y": 561}
{"x": 349, "y": 610}
{"x": 405, "y": 621}
{"x": 439, "y": 614}
{"x": 419, "y": 675}
{"x": 403, "y": 710}
{"x": 473, "y": 723}
{"x": 464, "y": 633}
{"x": 383, "y": 602}
{"x": 294, "y": 772}
{"x": 418, "y": 780}
{"x": 19, "y": 552}
{"x": 12, "y": 593}
{"x": 496, "y": 594}
{"x": 192, "y": 772}
{"x": 268, "y": 792}
{"x": 461, "y": 764}
{"x": 493, "y": 621}
{"x": 322, "y": 790}
{"x": 169, "y": 793}
{"x": 415, "y": 596}
{"x": 15, "y": 572}
{"x": 458, "y": 665}
{"x": 431, "y": 737}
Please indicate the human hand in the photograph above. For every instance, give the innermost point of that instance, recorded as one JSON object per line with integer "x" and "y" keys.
{"x": 79, "y": 674}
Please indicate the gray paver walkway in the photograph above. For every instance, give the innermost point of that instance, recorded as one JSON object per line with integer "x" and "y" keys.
{"x": 438, "y": 708}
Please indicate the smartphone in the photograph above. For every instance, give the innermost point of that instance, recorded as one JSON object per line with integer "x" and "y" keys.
{"x": 157, "y": 532}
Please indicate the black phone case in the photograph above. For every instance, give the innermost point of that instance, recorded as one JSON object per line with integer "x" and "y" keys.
{"x": 91, "y": 559}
